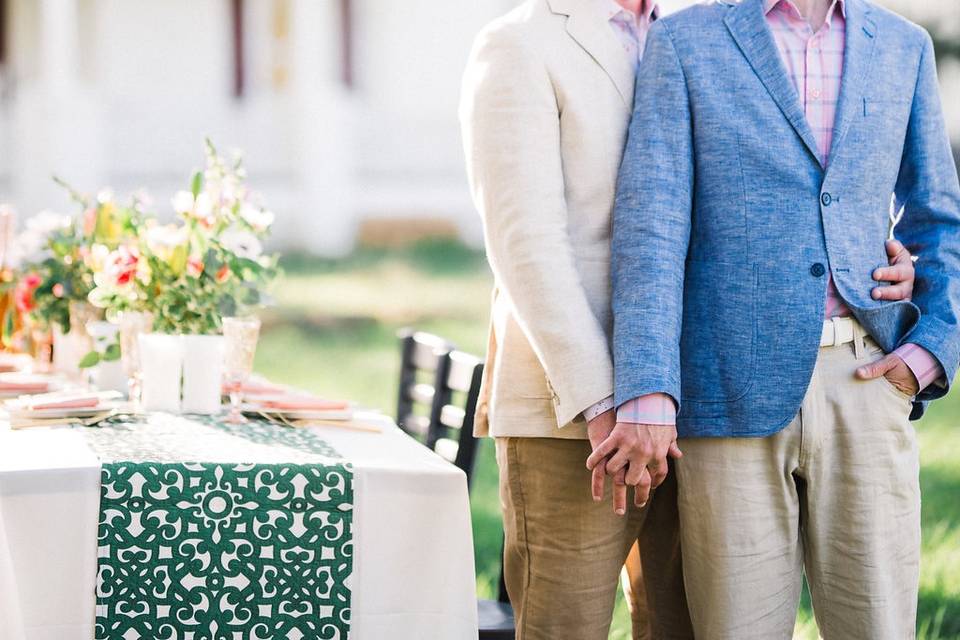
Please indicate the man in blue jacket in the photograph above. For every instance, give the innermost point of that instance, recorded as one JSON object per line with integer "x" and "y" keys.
{"x": 767, "y": 140}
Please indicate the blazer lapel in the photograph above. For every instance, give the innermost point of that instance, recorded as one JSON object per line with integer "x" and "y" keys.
{"x": 857, "y": 58}
{"x": 587, "y": 28}
{"x": 748, "y": 26}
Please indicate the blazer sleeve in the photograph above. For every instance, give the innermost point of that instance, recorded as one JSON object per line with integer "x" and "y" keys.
{"x": 929, "y": 190}
{"x": 651, "y": 227}
{"x": 511, "y": 131}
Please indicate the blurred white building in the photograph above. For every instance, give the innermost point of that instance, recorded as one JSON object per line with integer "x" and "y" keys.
{"x": 345, "y": 109}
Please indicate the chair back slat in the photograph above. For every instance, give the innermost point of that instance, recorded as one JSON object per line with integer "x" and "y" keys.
{"x": 452, "y": 417}
{"x": 462, "y": 367}
{"x": 422, "y": 393}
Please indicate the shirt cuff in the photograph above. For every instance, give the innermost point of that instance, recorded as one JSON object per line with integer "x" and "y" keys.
{"x": 655, "y": 408}
{"x": 924, "y": 366}
{"x": 598, "y": 409}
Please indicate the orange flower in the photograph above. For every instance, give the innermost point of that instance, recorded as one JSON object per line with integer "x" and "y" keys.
{"x": 223, "y": 274}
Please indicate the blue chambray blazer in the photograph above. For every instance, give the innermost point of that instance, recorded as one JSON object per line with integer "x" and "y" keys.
{"x": 726, "y": 224}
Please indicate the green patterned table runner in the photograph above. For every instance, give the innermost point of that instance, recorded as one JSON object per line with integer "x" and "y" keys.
{"x": 211, "y": 531}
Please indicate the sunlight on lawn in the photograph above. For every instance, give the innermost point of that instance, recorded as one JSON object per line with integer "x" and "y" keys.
{"x": 334, "y": 332}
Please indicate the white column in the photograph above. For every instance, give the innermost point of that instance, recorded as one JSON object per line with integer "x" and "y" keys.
{"x": 56, "y": 116}
{"x": 59, "y": 46}
{"x": 321, "y": 116}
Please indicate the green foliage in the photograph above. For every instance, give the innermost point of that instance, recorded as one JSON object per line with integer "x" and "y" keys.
{"x": 206, "y": 266}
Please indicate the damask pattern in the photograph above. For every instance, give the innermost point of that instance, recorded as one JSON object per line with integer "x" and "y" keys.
{"x": 254, "y": 542}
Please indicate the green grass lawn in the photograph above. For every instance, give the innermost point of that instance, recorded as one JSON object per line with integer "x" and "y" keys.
{"x": 334, "y": 328}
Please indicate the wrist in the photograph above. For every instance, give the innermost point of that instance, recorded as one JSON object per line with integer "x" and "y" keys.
{"x": 655, "y": 409}
{"x": 596, "y": 410}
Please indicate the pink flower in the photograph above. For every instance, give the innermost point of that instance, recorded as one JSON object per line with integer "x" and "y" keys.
{"x": 90, "y": 221}
{"x": 58, "y": 290}
{"x": 122, "y": 267}
{"x": 195, "y": 267}
{"x": 23, "y": 294}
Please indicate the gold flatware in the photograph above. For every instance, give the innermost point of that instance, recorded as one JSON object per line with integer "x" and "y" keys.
{"x": 28, "y": 423}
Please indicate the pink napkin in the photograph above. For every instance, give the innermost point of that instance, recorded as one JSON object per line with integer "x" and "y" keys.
{"x": 68, "y": 403}
{"x": 10, "y": 386}
{"x": 255, "y": 388}
{"x": 303, "y": 403}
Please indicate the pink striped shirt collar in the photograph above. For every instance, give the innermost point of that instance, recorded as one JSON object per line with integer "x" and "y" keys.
{"x": 769, "y": 5}
{"x": 638, "y": 9}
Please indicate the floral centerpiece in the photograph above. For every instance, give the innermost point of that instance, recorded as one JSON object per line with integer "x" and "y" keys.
{"x": 207, "y": 264}
{"x": 56, "y": 259}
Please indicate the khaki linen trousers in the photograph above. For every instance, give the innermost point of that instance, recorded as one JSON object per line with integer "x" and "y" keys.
{"x": 563, "y": 552}
{"x": 836, "y": 494}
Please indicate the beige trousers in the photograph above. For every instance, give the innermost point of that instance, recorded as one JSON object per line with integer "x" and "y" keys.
{"x": 836, "y": 494}
{"x": 563, "y": 552}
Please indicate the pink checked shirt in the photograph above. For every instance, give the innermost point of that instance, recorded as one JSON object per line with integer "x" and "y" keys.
{"x": 814, "y": 62}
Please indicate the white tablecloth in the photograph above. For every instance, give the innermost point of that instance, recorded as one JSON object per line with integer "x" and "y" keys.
{"x": 413, "y": 572}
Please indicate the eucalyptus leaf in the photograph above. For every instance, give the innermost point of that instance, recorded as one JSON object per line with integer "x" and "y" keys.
{"x": 111, "y": 353}
{"x": 92, "y": 359}
{"x": 196, "y": 184}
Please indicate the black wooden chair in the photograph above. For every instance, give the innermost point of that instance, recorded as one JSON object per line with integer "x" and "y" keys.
{"x": 447, "y": 429}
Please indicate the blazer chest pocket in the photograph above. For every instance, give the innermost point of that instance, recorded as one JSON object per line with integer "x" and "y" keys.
{"x": 719, "y": 336}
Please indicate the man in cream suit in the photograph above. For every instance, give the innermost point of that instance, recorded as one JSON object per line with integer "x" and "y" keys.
{"x": 546, "y": 104}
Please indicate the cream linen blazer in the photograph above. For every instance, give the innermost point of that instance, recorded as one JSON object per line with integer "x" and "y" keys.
{"x": 546, "y": 102}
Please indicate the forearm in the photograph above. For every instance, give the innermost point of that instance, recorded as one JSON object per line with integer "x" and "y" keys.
{"x": 929, "y": 191}
{"x": 512, "y": 139}
{"x": 651, "y": 228}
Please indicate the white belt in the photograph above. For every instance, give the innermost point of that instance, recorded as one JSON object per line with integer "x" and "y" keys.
{"x": 838, "y": 331}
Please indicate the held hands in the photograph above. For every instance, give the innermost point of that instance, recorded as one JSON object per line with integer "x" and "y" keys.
{"x": 633, "y": 454}
{"x": 636, "y": 455}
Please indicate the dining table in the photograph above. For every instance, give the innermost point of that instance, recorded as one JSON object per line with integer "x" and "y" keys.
{"x": 163, "y": 526}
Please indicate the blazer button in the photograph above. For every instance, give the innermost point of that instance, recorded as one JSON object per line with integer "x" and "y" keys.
{"x": 818, "y": 270}
{"x": 826, "y": 199}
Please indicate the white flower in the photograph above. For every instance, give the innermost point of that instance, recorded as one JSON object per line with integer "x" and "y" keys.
{"x": 47, "y": 222}
{"x": 203, "y": 207}
{"x": 165, "y": 238}
{"x": 105, "y": 196}
{"x": 257, "y": 217}
{"x": 33, "y": 244}
{"x": 182, "y": 202}
{"x": 241, "y": 243}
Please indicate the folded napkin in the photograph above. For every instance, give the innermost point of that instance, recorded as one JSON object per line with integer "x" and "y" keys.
{"x": 67, "y": 403}
{"x": 255, "y": 388}
{"x": 24, "y": 387}
{"x": 61, "y": 400}
{"x": 23, "y": 384}
{"x": 302, "y": 403}
{"x": 10, "y": 362}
